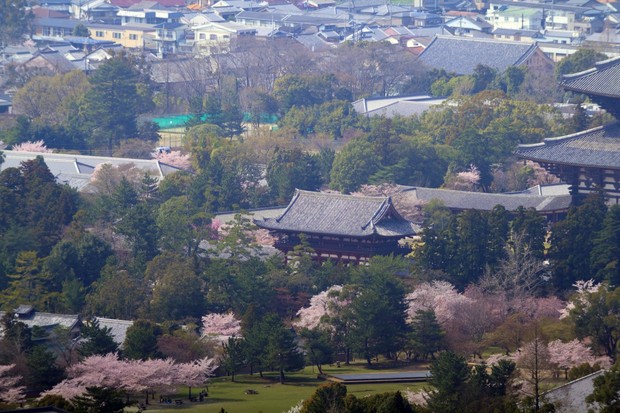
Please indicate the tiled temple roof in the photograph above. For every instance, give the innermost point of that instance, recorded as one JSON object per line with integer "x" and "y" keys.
{"x": 461, "y": 55}
{"x": 598, "y": 147}
{"x": 603, "y": 79}
{"x": 344, "y": 215}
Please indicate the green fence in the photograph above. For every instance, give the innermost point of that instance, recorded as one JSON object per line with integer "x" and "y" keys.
{"x": 178, "y": 121}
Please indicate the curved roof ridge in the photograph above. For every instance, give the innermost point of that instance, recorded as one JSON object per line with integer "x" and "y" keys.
{"x": 558, "y": 139}
{"x": 602, "y": 64}
{"x": 290, "y": 204}
{"x": 379, "y": 213}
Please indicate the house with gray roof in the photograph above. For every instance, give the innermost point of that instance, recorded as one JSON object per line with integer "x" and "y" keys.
{"x": 550, "y": 203}
{"x": 76, "y": 170}
{"x": 461, "y": 55}
{"x": 396, "y": 105}
{"x": 44, "y": 322}
{"x": 340, "y": 227}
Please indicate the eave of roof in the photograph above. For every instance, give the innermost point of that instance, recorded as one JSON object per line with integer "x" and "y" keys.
{"x": 598, "y": 147}
{"x": 601, "y": 80}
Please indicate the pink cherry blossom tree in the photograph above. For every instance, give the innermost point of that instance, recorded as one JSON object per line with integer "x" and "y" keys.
{"x": 132, "y": 376}
{"x": 36, "y": 146}
{"x": 439, "y": 296}
{"x": 220, "y": 325}
{"x": 174, "y": 158}
{"x": 572, "y": 354}
{"x": 583, "y": 289}
{"x": 10, "y": 390}
{"x": 321, "y": 305}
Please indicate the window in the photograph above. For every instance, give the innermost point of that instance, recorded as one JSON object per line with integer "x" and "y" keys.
{"x": 98, "y": 34}
{"x": 116, "y": 35}
{"x": 202, "y": 36}
{"x": 133, "y": 37}
{"x": 213, "y": 37}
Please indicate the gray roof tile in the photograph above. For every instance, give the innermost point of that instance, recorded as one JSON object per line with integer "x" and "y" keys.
{"x": 346, "y": 215}
{"x": 461, "y": 55}
{"x": 462, "y": 200}
{"x": 598, "y": 147}
{"x": 603, "y": 79}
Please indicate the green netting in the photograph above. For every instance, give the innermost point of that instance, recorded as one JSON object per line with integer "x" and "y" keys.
{"x": 177, "y": 121}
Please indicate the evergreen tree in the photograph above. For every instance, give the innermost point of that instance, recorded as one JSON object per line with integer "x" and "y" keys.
{"x": 605, "y": 255}
{"x": 426, "y": 336}
{"x": 96, "y": 340}
{"x": 572, "y": 241}
{"x": 449, "y": 375}
{"x": 43, "y": 373}
{"x": 110, "y": 109}
{"x": 141, "y": 340}
{"x": 100, "y": 400}
{"x": 281, "y": 352}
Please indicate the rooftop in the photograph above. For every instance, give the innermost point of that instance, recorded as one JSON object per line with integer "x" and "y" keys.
{"x": 345, "y": 215}
{"x": 76, "y": 170}
{"x": 461, "y": 200}
{"x": 462, "y": 54}
{"x": 603, "y": 79}
{"x": 598, "y": 147}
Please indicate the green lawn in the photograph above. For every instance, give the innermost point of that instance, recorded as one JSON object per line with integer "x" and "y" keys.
{"x": 273, "y": 397}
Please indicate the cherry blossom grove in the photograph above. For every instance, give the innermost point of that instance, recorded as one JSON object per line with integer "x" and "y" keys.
{"x": 10, "y": 391}
{"x": 133, "y": 376}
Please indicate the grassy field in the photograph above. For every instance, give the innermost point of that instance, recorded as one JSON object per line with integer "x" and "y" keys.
{"x": 273, "y": 397}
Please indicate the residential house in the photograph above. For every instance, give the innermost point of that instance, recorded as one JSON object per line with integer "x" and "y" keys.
{"x": 563, "y": 37}
{"x": 169, "y": 37}
{"x": 47, "y": 61}
{"x": 53, "y": 28}
{"x": 198, "y": 19}
{"x": 517, "y": 35}
{"x": 512, "y": 17}
{"x": 93, "y": 10}
{"x": 148, "y": 12}
{"x": 553, "y": 16}
{"x": 123, "y": 4}
{"x": 419, "y": 19}
{"x": 461, "y": 55}
{"x": 212, "y": 36}
{"x": 465, "y": 25}
{"x": 131, "y": 36}
{"x": 319, "y": 4}
{"x": 49, "y": 13}
{"x": 58, "y": 5}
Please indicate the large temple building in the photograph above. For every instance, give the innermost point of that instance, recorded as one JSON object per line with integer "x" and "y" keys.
{"x": 343, "y": 228}
{"x": 587, "y": 161}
